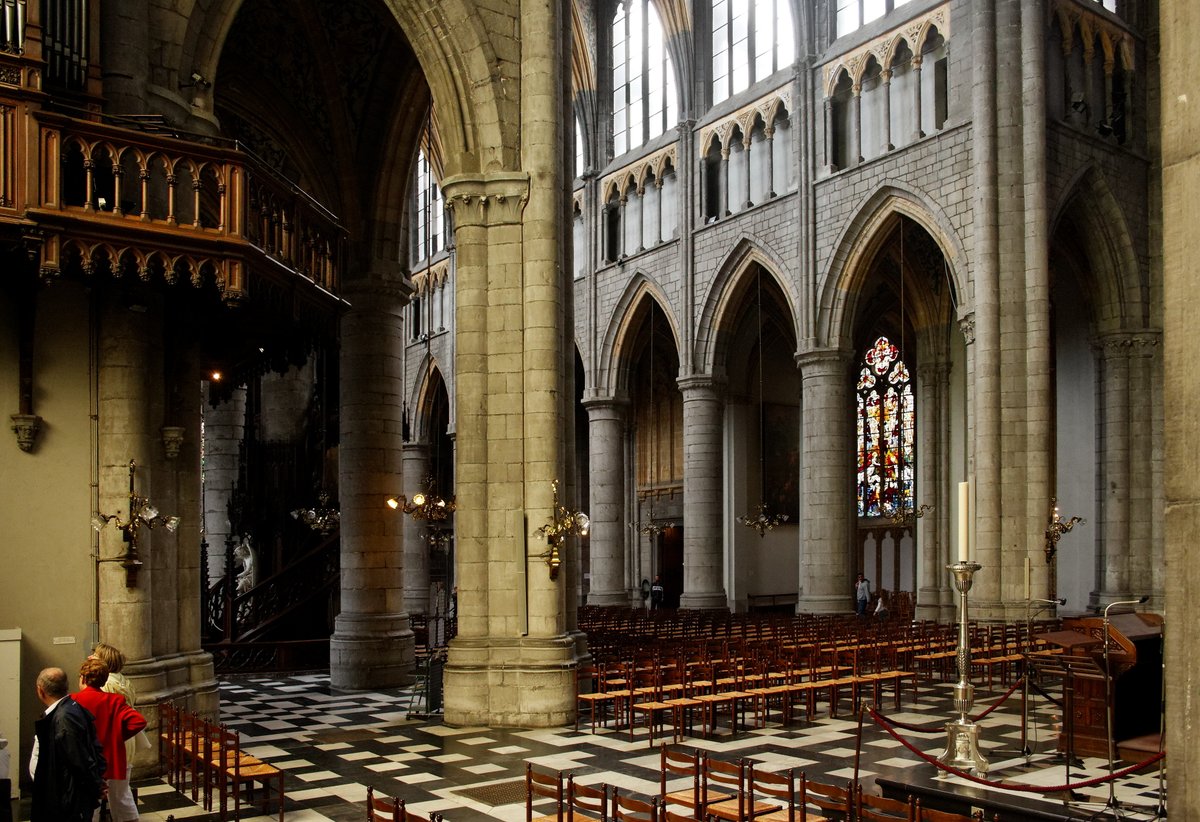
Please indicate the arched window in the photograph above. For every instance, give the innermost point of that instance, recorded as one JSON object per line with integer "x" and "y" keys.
{"x": 751, "y": 39}
{"x": 428, "y": 217}
{"x": 885, "y": 432}
{"x": 579, "y": 167}
{"x": 645, "y": 103}
{"x": 854, "y": 14}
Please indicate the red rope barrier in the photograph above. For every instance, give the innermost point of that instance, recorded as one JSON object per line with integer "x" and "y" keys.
{"x": 882, "y": 721}
{"x": 937, "y": 729}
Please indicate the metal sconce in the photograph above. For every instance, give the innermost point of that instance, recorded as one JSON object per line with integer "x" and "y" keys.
{"x": 1056, "y": 528}
{"x": 425, "y": 505}
{"x": 564, "y": 523}
{"x": 141, "y": 512}
{"x": 323, "y": 519}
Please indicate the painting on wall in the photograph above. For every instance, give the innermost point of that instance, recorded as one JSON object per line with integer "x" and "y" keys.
{"x": 781, "y": 425}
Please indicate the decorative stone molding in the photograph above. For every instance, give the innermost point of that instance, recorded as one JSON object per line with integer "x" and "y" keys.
{"x": 966, "y": 325}
{"x": 172, "y": 440}
{"x": 765, "y": 108}
{"x": 26, "y": 427}
{"x": 633, "y": 176}
{"x": 486, "y": 200}
{"x": 883, "y": 48}
{"x": 1084, "y": 19}
{"x": 428, "y": 279}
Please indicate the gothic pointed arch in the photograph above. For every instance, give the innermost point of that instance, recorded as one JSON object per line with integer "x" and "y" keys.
{"x": 619, "y": 350}
{"x": 1090, "y": 235}
{"x": 840, "y": 290}
{"x": 727, "y": 292}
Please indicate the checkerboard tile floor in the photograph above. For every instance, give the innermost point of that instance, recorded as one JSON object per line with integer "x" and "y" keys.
{"x": 333, "y": 746}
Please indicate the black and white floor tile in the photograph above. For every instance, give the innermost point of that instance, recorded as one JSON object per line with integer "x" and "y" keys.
{"x": 333, "y": 746}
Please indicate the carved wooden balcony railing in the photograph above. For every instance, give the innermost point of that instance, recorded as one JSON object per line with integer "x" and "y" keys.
{"x": 110, "y": 197}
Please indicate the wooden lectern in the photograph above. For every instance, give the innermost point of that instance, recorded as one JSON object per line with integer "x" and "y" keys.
{"x": 1135, "y": 654}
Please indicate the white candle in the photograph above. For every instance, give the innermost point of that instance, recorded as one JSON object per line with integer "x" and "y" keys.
{"x": 964, "y": 506}
{"x": 1026, "y": 577}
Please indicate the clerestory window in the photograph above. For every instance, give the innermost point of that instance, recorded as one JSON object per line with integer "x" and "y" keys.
{"x": 645, "y": 101}
{"x": 751, "y": 40}
{"x": 854, "y": 14}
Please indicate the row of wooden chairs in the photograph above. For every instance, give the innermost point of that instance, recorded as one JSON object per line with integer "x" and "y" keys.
{"x": 209, "y": 756}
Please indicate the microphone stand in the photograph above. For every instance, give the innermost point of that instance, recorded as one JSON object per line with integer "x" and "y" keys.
{"x": 1112, "y": 804}
{"x": 1026, "y": 750}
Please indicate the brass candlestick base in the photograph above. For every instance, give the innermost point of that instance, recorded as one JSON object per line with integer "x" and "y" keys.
{"x": 962, "y": 734}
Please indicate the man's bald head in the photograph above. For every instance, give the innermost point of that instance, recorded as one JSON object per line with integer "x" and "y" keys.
{"x": 52, "y": 685}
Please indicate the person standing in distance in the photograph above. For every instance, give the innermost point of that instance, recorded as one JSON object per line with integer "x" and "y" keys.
{"x": 67, "y": 765}
{"x": 656, "y": 593}
{"x": 862, "y": 594}
{"x": 116, "y": 723}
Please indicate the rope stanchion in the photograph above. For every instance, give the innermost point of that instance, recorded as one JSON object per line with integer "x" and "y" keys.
{"x": 883, "y": 722}
{"x": 937, "y": 729}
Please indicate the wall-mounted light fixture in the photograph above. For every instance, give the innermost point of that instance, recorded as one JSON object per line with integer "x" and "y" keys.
{"x": 141, "y": 512}
{"x": 563, "y": 523}
{"x": 197, "y": 81}
{"x": 424, "y": 505}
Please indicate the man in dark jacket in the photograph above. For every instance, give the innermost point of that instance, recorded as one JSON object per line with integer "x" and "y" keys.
{"x": 68, "y": 764}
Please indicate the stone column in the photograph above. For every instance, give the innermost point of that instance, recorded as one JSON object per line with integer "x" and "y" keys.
{"x": 830, "y": 145}
{"x": 724, "y": 210}
{"x": 769, "y": 134}
{"x": 931, "y": 408}
{"x": 703, "y": 557}
{"x": 826, "y": 578}
{"x": 415, "y": 461}
{"x": 658, "y": 208}
{"x": 1143, "y": 349}
{"x": 623, "y": 210}
{"x": 886, "y": 79}
{"x": 918, "y": 132}
{"x": 856, "y": 155}
{"x": 1114, "y": 468}
{"x": 606, "y": 442}
{"x": 224, "y": 427}
{"x": 372, "y": 643}
{"x": 746, "y": 142}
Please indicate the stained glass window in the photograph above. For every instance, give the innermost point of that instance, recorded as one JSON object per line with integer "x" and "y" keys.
{"x": 885, "y": 432}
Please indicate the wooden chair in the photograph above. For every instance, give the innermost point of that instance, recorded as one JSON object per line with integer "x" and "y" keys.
{"x": 871, "y": 808}
{"x": 650, "y": 704}
{"x": 235, "y": 769}
{"x": 931, "y": 815}
{"x": 628, "y": 809}
{"x": 168, "y": 753}
{"x": 391, "y": 809}
{"x": 720, "y": 777}
{"x": 544, "y": 785}
{"x": 761, "y": 783}
{"x": 674, "y": 763}
{"x": 831, "y": 801}
{"x": 586, "y": 802}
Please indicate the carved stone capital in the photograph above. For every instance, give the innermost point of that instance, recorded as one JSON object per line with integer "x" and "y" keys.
{"x": 488, "y": 199}
{"x": 26, "y": 427}
{"x": 966, "y": 324}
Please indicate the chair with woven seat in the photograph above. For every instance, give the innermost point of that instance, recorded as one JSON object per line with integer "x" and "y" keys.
{"x": 629, "y": 809}
{"x": 871, "y": 808}
{"x": 235, "y": 769}
{"x": 765, "y": 797}
{"x": 544, "y": 786}
{"x": 649, "y": 703}
{"x": 391, "y": 809}
{"x": 673, "y": 763}
{"x": 832, "y": 802}
{"x": 931, "y": 815}
{"x": 720, "y": 777}
{"x": 585, "y": 802}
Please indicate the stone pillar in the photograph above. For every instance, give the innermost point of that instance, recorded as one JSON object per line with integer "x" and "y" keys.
{"x": 826, "y": 579}
{"x": 658, "y": 208}
{"x": 1143, "y": 351}
{"x": 746, "y": 143}
{"x": 723, "y": 205}
{"x": 606, "y": 442}
{"x": 703, "y": 557}
{"x": 224, "y": 427}
{"x": 769, "y": 134}
{"x": 918, "y": 132}
{"x": 830, "y": 145}
{"x": 856, "y": 155}
{"x": 415, "y": 461}
{"x": 641, "y": 221}
{"x": 1114, "y": 469}
{"x": 886, "y": 78}
{"x": 1179, "y": 28}
{"x": 623, "y": 210}
{"x": 931, "y": 428}
{"x": 372, "y": 643}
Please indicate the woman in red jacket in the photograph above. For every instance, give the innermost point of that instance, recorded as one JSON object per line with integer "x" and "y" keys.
{"x": 115, "y": 722}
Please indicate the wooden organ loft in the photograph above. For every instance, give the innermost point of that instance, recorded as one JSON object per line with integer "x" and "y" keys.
{"x": 239, "y": 256}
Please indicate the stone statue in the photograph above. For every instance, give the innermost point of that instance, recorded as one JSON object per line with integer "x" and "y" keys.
{"x": 245, "y": 553}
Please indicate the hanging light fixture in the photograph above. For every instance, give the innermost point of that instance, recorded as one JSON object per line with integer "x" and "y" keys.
{"x": 902, "y": 512}
{"x": 141, "y": 512}
{"x": 761, "y": 519}
{"x": 563, "y": 523}
{"x": 650, "y": 528}
{"x": 324, "y": 517}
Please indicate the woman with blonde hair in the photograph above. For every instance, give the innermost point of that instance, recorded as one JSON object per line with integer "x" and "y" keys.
{"x": 118, "y": 683}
